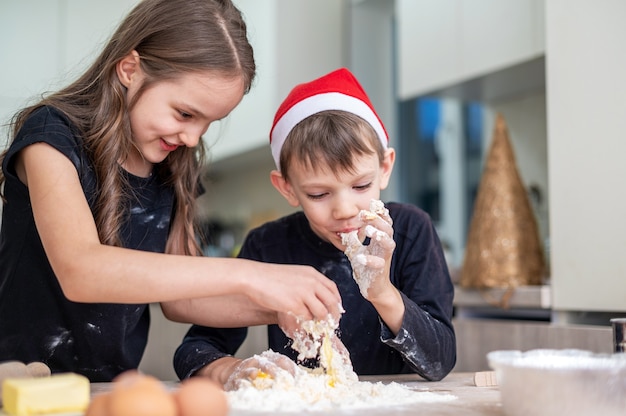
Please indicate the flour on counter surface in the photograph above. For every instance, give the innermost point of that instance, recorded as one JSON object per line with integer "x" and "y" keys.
{"x": 333, "y": 385}
{"x": 310, "y": 391}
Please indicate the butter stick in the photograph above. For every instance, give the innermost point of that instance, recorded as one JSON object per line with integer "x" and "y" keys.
{"x": 59, "y": 393}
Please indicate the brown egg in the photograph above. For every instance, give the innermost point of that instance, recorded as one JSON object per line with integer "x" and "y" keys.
{"x": 127, "y": 376}
{"x": 98, "y": 405}
{"x": 137, "y": 395}
{"x": 200, "y": 396}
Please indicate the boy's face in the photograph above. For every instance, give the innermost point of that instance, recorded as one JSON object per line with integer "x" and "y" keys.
{"x": 332, "y": 202}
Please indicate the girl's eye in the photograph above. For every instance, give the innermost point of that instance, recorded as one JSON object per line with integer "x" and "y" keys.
{"x": 184, "y": 114}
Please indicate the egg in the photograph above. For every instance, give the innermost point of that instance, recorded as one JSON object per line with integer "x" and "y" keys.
{"x": 200, "y": 396}
{"x": 98, "y": 406}
{"x": 137, "y": 394}
{"x": 127, "y": 376}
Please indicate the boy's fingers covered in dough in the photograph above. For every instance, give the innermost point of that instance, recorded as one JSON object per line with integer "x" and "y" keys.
{"x": 381, "y": 244}
{"x": 270, "y": 364}
{"x": 386, "y": 217}
{"x": 340, "y": 347}
{"x": 383, "y": 223}
{"x": 374, "y": 262}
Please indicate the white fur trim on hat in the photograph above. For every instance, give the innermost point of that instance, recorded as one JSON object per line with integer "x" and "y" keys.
{"x": 316, "y": 104}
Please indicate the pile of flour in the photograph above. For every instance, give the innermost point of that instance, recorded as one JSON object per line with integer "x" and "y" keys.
{"x": 334, "y": 384}
{"x": 313, "y": 390}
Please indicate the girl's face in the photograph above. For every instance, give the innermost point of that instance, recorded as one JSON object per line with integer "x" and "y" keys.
{"x": 174, "y": 113}
{"x": 332, "y": 202}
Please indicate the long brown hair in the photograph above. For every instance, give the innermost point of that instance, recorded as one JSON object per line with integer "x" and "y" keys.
{"x": 171, "y": 37}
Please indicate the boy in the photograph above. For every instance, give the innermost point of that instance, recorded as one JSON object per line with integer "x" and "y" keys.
{"x": 332, "y": 157}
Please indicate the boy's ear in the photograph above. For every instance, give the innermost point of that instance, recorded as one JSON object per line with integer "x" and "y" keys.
{"x": 387, "y": 167}
{"x": 127, "y": 68}
{"x": 284, "y": 188}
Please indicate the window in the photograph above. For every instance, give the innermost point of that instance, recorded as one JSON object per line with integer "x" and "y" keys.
{"x": 440, "y": 162}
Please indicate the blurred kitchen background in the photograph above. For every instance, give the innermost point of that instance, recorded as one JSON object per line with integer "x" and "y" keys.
{"x": 438, "y": 71}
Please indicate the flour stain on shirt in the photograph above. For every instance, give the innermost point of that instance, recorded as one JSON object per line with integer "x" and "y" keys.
{"x": 93, "y": 328}
{"x": 148, "y": 219}
{"x": 164, "y": 222}
{"x": 54, "y": 341}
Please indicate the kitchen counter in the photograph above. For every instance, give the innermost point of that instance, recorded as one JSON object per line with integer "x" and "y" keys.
{"x": 470, "y": 399}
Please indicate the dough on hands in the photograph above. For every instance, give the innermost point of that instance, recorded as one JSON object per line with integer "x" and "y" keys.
{"x": 261, "y": 371}
{"x": 357, "y": 253}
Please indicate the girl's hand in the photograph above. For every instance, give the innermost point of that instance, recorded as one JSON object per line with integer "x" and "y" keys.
{"x": 289, "y": 324}
{"x": 298, "y": 290}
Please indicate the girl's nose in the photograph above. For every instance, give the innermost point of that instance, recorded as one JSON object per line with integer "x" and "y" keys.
{"x": 189, "y": 139}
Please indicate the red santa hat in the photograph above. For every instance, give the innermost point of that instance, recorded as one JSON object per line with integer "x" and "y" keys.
{"x": 338, "y": 90}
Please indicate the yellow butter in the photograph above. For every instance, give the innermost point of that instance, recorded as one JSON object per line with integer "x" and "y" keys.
{"x": 59, "y": 393}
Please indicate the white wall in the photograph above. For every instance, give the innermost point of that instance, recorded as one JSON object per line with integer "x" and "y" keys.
{"x": 45, "y": 44}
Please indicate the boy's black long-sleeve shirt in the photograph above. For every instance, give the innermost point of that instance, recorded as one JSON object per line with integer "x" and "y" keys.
{"x": 426, "y": 342}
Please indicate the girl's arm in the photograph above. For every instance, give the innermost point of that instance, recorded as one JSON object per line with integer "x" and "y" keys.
{"x": 225, "y": 311}
{"x": 89, "y": 271}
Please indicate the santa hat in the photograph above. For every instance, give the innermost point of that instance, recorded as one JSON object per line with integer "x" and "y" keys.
{"x": 338, "y": 90}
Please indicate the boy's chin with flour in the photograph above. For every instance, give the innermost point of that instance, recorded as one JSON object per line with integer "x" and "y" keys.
{"x": 367, "y": 260}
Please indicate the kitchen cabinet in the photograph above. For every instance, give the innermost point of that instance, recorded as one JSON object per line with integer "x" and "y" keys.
{"x": 453, "y": 44}
{"x": 293, "y": 41}
{"x": 450, "y": 41}
{"x": 524, "y": 324}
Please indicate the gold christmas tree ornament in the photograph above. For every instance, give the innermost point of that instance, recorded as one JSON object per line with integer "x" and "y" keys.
{"x": 503, "y": 246}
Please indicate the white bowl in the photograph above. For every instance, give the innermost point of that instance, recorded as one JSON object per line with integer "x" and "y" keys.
{"x": 560, "y": 382}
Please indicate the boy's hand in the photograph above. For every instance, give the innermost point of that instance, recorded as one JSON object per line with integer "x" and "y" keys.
{"x": 260, "y": 370}
{"x": 371, "y": 263}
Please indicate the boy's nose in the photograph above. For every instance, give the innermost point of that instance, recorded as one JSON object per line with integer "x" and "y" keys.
{"x": 345, "y": 209}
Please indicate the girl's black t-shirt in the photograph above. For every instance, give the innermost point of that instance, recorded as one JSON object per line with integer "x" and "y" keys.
{"x": 37, "y": 322}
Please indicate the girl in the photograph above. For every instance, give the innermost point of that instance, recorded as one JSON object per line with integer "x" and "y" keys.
{"x": 101, "y": 179}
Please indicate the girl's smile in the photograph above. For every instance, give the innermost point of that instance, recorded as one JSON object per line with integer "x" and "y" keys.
{"x": 168, "y": 147}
